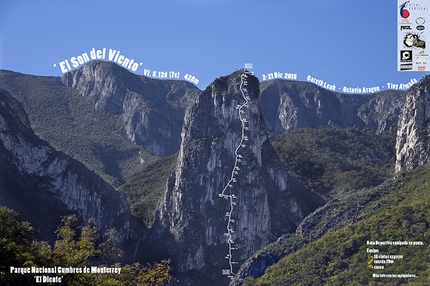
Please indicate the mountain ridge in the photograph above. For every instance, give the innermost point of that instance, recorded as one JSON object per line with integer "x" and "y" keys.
{"x": 143, "y": 103}
{"x": 288, "y": 104}
{"x": 192, "y": 227}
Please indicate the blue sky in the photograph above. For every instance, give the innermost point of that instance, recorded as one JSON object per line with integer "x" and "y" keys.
{"x": 350, "y": 43}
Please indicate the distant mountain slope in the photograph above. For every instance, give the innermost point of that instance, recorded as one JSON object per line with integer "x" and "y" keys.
{"x": 62, "y": 117}
{"x": 332, "y": 160}
{"x": 395, "y": 211}
{"x": 152, "y": 110}
{"x": 107, "y": 141}
{"x": 287, "y": 105}
{"x": 43, "y": 184}
{"x": 137, "y": 117}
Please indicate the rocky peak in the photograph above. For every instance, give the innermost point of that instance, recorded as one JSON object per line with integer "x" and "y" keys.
{"x": 152, "y": 110}
{"x": 229, "y": 195}
{"x": 412, "y": 145}
{"x": 105, "y": 84}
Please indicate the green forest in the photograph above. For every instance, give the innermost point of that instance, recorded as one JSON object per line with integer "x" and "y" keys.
{"x": 76, "y": 247}
{"x": 397, "y": 210}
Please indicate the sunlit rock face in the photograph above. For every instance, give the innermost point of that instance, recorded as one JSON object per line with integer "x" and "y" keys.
{"x": 227, "y": 171}
{"x": 152, "y": 110}
{"x": 412, "y": 145}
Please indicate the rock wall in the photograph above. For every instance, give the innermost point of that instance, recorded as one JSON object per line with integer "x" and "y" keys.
{"x": 229, "y": 195}
{"x": 152, "y": 110}
{"x": 412, "y": 144}
{"x": 56, "y": 180}
{"x": 287, "y": 105}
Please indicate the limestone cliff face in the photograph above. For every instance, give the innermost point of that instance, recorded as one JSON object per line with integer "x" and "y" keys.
{"x": 229, "y": 183}
{"x": 288, "y": 105}
{"x": 382, "y": 111}
{"x": 412, "y": 145}
{"x": 153, "y": 110}
{"x": 42, "y": 183}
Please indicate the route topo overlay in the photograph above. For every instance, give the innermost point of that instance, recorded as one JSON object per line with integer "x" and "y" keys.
{"x": 228, "y": 191}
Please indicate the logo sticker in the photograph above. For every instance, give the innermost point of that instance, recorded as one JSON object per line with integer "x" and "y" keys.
{"x": 406, "y": 67}
{"x": 403, "y": 11}
{"x": 405, "y": 56}
{"x": 421, "y": 57}
{"x": 420, "y": 20}
{"x": 413, "y": 40}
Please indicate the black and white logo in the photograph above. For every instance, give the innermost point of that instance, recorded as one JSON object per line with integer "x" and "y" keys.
{"x": 406, "y": 67}
{"x": 414, "y": 40}
{"x": 405, "y": 56}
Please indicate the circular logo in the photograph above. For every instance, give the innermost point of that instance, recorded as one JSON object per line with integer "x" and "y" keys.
{"x": 420, "y": 27}
{"x": 404, "y": 12}
{"x": 420, "y": 20}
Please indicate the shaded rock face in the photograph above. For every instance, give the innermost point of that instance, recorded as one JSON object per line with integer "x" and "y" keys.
{"x": 412, "y": 144}
{"x": 287, "y": 105}
{"x": 255, "y": 267}
{"x": 299, "y": 105}
{"x": 381, "y": 113}
{"x": 228, "y": 177}
{"x": 153, "y": 110}
{"x": 42, "y": 183}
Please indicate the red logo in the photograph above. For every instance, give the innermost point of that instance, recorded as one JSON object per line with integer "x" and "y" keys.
{"x": 421, "y": 68}
{"x": 404, "y": 12}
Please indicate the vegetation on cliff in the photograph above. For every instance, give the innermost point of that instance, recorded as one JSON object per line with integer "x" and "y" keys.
{"x": 334, "y": 160}
{"x": 146, "y": 188}
{"x": 340, "y": 257}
